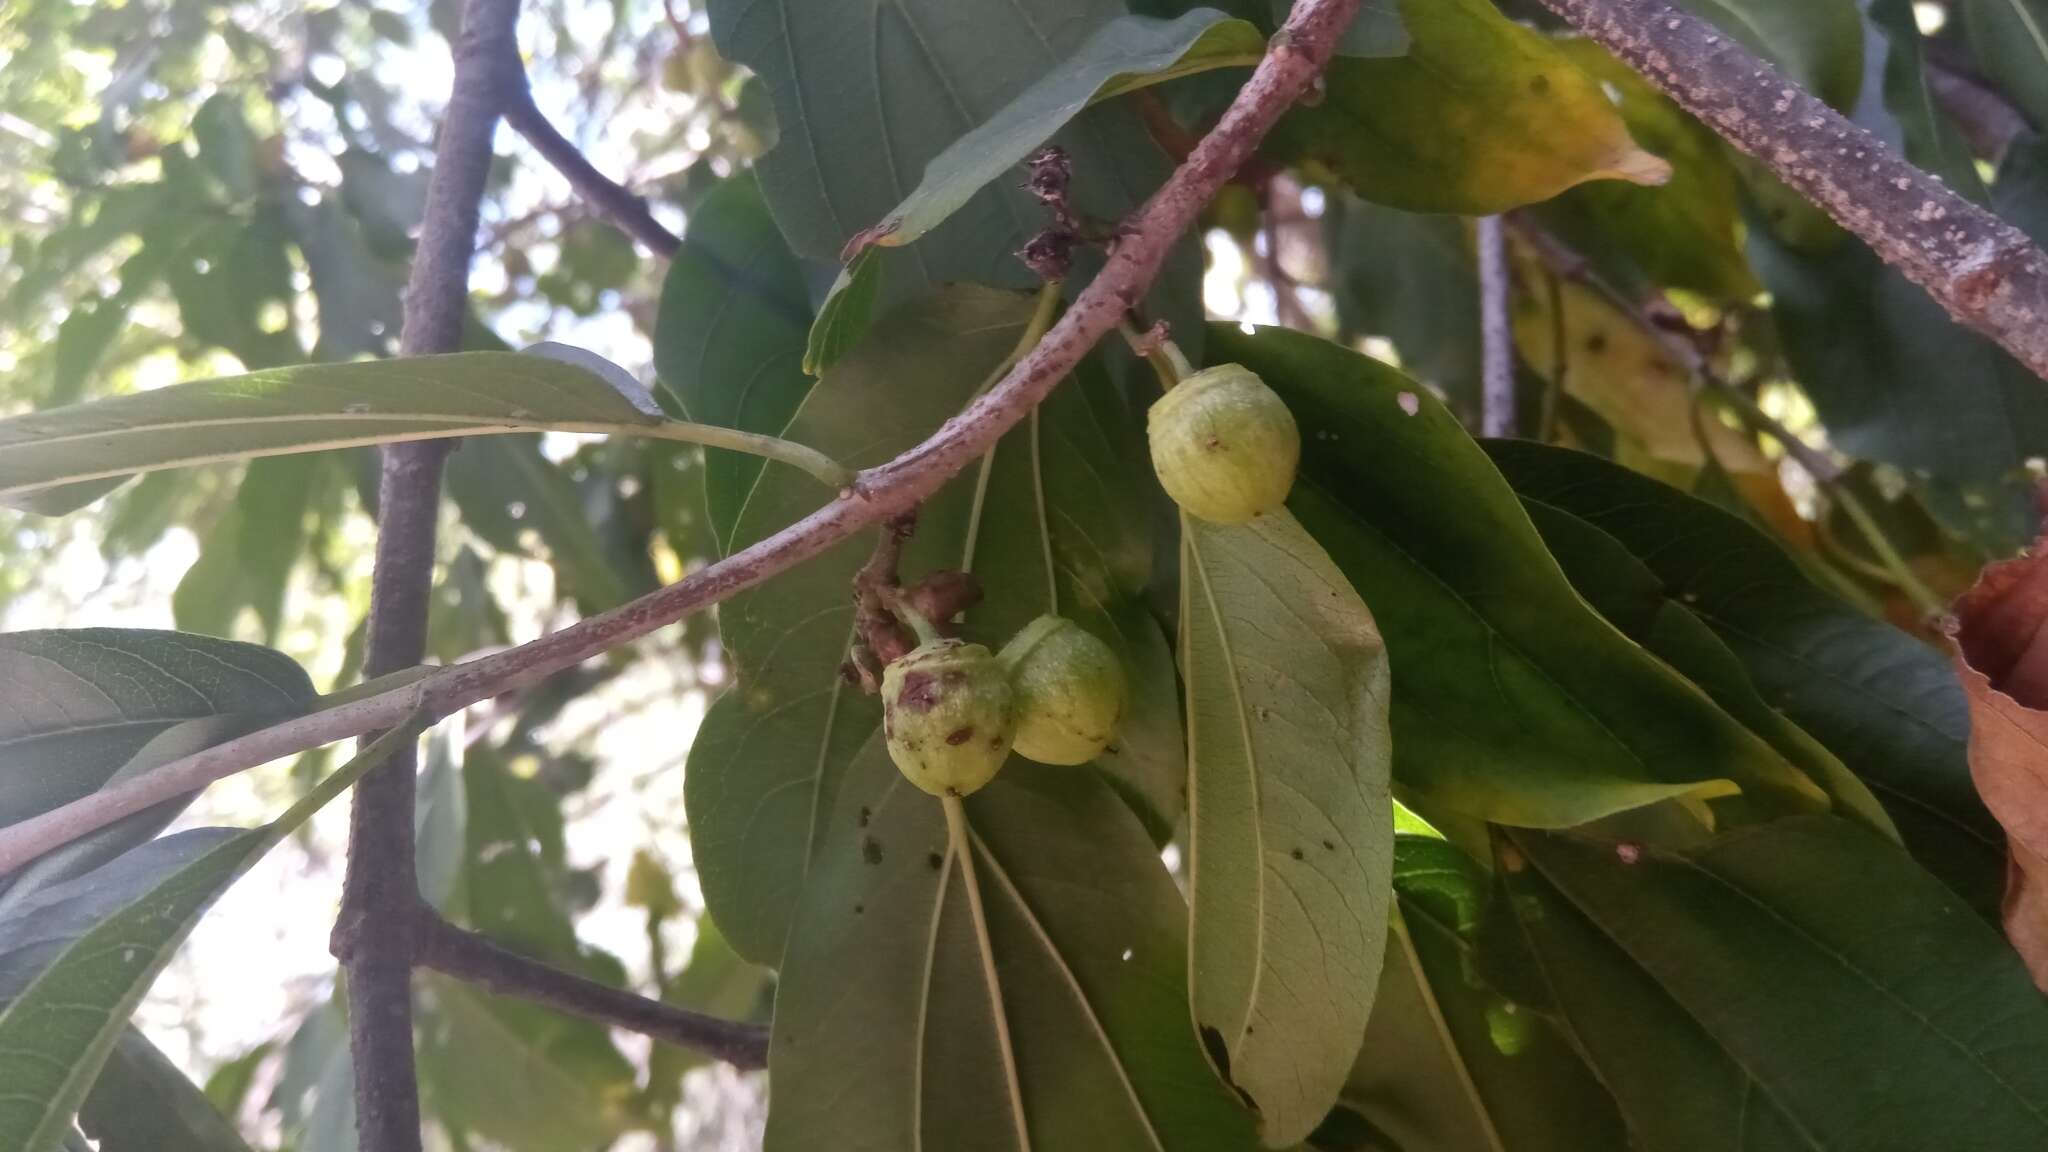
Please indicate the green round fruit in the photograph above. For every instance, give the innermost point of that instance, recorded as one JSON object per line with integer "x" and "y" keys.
{"x": 949, "y": 715}
{"x": 1070, "y": 691}
{"x": 1224, "y": 445}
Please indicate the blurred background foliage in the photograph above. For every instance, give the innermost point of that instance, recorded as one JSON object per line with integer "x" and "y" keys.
{"x": 191, "y": 188}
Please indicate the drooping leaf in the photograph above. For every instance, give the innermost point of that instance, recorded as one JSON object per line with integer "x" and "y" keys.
{"x": 57, "y": 1032}
{"x": 2010, "y": 39}
{"x": 1036, "y": 1001}
{"x": 1883, "y": 702}
{"x": 1450, "y": 1065}
{"x": 246, "y": 558}
{"x": 1513, "y": 701}
{"x": 1632, "y": 598}
{"x": 1123, "y": 55}
{"x": 143, "y": 1103}
{"x": 1818, "y": 43}
{"x": 1290, "y": 825}
{"x": 77, "y": 704}
{"x": 1481, "y": 115}
{"x": 1891, "y": 1017}
{"x": 67, "y": 457}
{"x": 1060, "y": 526}
{"x": 1995, "y": 633}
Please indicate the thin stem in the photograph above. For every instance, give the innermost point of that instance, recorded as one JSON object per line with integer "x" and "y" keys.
{"x": 1983, "y": 270}
{"x": 829, "y": 472}
{"x": 476, "y": 959}
{"x": 1496, "y": 333}
{"x": 963, "y": 850}
{"x": 1909, "y": 582}
{"x": 611, "y": 199}
{"x": 1294, "y": 58}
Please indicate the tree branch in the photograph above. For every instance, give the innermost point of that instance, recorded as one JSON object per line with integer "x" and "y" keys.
{"x": 611, "y": 199}
{"x": 1293, "y": 60}
{"x": 476, "y": 959}
{"x": 372, "y": 936}
{"x": 1984, "y": 271}
{"x": 1496, "y": 333}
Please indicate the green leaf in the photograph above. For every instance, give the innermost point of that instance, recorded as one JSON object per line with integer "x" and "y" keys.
{"x": 866, "y": 97}
{"x": 1817, "y": 43}
{"x": 2010, "y": 39}
{"x": 82, "y": 702}
{"x": 734, "y": 311}
{"x": 1449, "y": 1065}
{"x": 490, "y": 1078}
{"x": 506, "y": 489}
{"x": 912, "y": 985}
{"x": 316, "y": 1089}
{"x": 246, "y": 558}
{"x": 1513, "y": 701}
{"x": 1793, "y": 985}
{"x": 143, "y": 1103}
{"x": 1410, "y": 279}
{"x": 1481, "y": 115}
{"x": 844, "y": 317}
{"x": 1290, "y": 825}
{"x": 1886, "y": 704}
{"x": 767, "y": 764}
{"x": 56, "y": 1034}
{"x": 1124, "y": 55}
{"x": 1632, "y": 598}
{"x": 63, "y": 454}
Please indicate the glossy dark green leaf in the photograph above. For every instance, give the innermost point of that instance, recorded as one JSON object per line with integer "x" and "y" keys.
{"x": 1290, "y": 824}
{"x": 1060, "y": 525}
{"x": 1513, "y": 701}
{"x": 858, "y": 127}
{"x": 1481, "y": 115}
{"x": 1123, "y": 55}
{"x": 81, "y": 702}
{"x": 2010, "y": 39}
{"x": 1450, "y": 1065}
{"x": 86, "y": 448}
{"x": 1818, "y": 43}
{"x": 143, "y": 1103}
{"x": 1632, "y": 598}
{"x": 1793, "y": 985}
{"x": 1886, "y": 704}
{"x": 1034, "y": 1001}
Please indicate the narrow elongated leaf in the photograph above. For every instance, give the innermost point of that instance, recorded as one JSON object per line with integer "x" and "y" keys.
{"x": 1058, "y": 525}
{"x": 2010, "y": 39}
{"x": 67, "y": 457}
{"x": 1126, "y": 54}
{"x": 56, "y": 1033}
{"x": 143, "y": 1103}
{"x": 1290, "y": 824}
{"x": 1034, "y": 1002}
{"x": 1450, "y": 1065}
{"x": 246, "y": 559}
{"x": 77, "y": 704}
{"x": 728, "y": 338}
{"x": 506, "y": 488}
{"x": 1883, "y": 702}
{"x": 1513, "y": 701}
{"x": 1795, "y": 985}
{"x": 1481, "y": 115}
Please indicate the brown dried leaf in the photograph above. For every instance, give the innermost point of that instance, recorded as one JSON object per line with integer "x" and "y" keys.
{"x": 2000, "y": 638}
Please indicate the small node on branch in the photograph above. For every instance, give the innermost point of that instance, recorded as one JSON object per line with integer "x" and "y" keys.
{"x": 1050, "y": 254}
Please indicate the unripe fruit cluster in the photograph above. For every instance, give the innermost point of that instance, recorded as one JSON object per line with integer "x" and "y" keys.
{"x": 1224, "y": 445}
{"x": 952, "y": 712}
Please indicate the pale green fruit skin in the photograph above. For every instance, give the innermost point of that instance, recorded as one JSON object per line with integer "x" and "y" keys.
{"x": 1224, "y": 445}
{"x": 949, "y": 714}
{"x": 1070, "y": 690}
